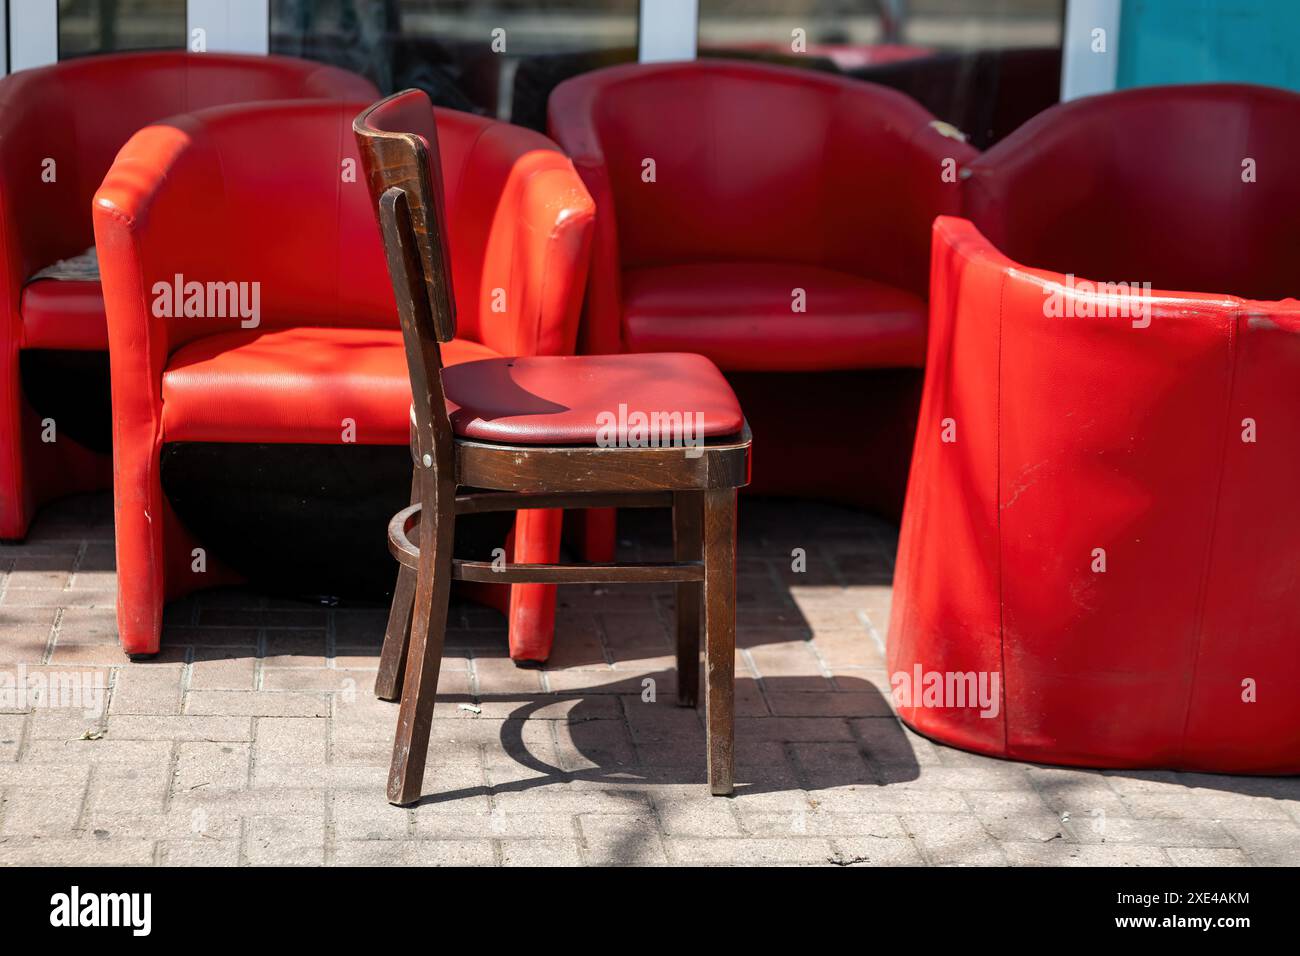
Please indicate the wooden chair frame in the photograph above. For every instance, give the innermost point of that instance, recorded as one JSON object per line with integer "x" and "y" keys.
{"x": 405, "y": 180}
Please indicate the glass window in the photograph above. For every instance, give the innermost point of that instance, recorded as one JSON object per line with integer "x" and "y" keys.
{"x": 985, "y": 66}
{"x": 501, "y": 59}
{"x": 105, "y": 26}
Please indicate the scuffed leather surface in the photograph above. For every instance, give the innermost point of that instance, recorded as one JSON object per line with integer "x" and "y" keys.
{"x": 79, "y": 113}
{"x": 257, "y": 193}
{"x": 296, "y": 385}
{"x": 724, "y": 310}
{"x": 754, "y": 164}
{"x": 1075, "y": 434}
{"x": 64, "y": 314}
{"x": 561, "y": 400}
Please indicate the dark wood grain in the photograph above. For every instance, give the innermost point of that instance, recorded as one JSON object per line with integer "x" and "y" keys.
{"x": 720, "y": 635}
{"x": 397, "y": 635}
{"x": 405, "y": 181}
{"x": 510, "y": 501}
{"x": 688, "y": 545}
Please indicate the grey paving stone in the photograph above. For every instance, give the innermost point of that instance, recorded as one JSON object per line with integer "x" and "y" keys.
{"x": 253, "y": 738}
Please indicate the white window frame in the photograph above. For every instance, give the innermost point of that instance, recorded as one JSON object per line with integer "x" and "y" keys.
{"x": 1083, "y": 71}
{"x": 33, "y": 34}
{"x": 230, "y": 26}
{"x": 668, "y": 30}
{"x": 29, "y": 29}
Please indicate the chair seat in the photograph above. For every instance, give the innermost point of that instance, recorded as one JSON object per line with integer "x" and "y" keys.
{"x": 64, "y": 314}
{"x": 295, "y": 385}
{"x": 300, "y": 385}
{"x": 565, "y": 399}
{"x": 739, "y": 315}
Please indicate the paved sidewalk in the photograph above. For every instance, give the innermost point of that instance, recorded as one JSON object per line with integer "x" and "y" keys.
{"x": 254, "y": 737}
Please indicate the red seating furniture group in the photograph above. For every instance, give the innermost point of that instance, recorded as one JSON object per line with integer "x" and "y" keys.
{"x": 1098, "y": 508}
{"x": 60, "y": 127}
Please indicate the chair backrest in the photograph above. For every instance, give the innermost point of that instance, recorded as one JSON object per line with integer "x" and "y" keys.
{"x": 398, "y": 140}
{"x": 719, "y": 160}
{"x": 80, "y": 112}
{"x": 1190, "y": 188}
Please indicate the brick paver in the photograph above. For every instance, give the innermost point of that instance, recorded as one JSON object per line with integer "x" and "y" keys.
{"x": 254, "y": 737}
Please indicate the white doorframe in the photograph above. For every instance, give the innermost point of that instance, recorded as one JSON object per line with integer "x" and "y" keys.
{"x": 33, "y": 34}
{"x": 229, "y": 26}
{"x": 667, "y": 30}
{"x": 1085, "y": 68}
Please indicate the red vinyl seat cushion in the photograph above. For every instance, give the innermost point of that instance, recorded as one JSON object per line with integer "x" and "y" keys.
{"x": 740, "y": 315}
{"x": 563, "y": 399}
{"x": 64, "y": 314}
{"x": 305, "y": 385}
{"x": 298, "y": 385}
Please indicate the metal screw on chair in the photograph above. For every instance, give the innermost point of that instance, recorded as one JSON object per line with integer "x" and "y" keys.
{"x": 428, "y": 461}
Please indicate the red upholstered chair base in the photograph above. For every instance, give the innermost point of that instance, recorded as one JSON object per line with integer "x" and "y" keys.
{"x": 1101, "y": 511}
{"x": 1090, "y": 538}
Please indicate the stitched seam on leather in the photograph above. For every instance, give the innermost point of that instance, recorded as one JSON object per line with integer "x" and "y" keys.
{"x": 1203, "y": 592}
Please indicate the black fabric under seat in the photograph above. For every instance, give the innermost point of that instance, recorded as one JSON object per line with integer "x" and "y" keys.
{"x": 305, "y": 521}
{"x": 70, "y": 387}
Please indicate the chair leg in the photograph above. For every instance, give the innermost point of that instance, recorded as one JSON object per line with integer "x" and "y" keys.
{"x": 397, "y": 636}
{"x": 424, "y": 658}
{"x": 720, "y": 634}
{"x": 688, "y": 545}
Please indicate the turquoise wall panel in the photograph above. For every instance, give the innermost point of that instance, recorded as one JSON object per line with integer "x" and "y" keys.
{"x": 1204, "y": 41}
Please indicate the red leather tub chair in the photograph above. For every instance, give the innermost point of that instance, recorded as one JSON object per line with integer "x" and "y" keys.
{"x": 274, "y": 194}
{"x": 60, "y": 127}
{"x": 768, "y": 180}
{"x": 1102, "y": 505}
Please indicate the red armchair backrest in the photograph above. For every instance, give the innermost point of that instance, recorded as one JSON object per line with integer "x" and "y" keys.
{"x": 1186, "y": 187}
{"x": 276, "y": 193}
{"x": 756, "y": 162}
{"x": 79, "y": 113}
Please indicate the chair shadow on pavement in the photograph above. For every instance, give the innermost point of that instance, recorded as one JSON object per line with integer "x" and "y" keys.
{"x": 632, "y": 733}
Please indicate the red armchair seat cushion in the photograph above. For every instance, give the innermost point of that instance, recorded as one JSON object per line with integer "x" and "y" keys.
{"x": 740, "y": 315}
{"x": 64, "y": 314}
{"x": 295, "y": 385}
{"x": 303, "y": 385}
{"x": 563, "y": 399}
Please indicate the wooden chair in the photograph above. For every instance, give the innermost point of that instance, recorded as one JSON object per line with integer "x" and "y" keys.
{"x": 513, "y": 433}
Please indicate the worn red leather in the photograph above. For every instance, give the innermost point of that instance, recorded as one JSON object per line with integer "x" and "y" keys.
{"x": 77, "y": 114}
{"x": 63, "y": 314}
{"x": 265, "y": 193}
{"x": 669, "y": 398}
{"x": 768, "y": 183}
{"x": 723, "y": 309}
{"x": 1108, "y": 526}
{"x": 765, "y": 180}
